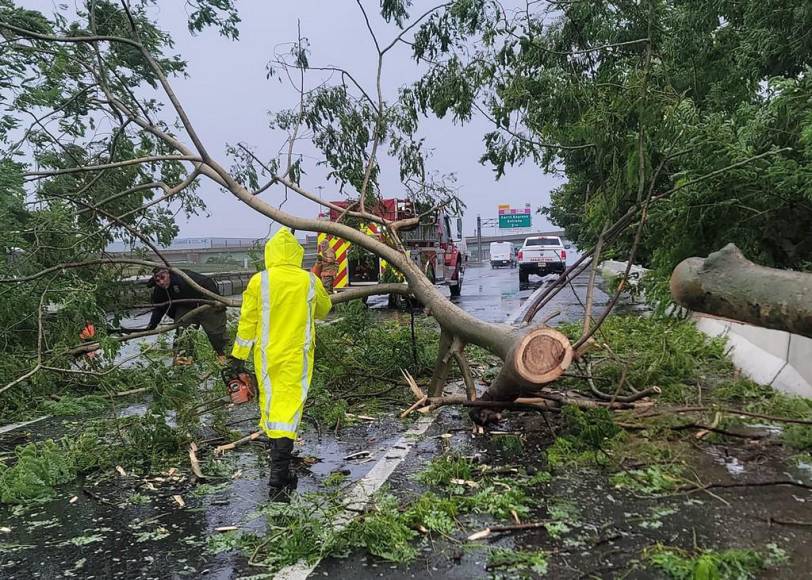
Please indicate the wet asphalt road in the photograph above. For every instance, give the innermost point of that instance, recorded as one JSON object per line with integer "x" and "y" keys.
{"x": 128, "y": 541}
{"x": 496, "y": 295}
{"x": 97, "y": 531}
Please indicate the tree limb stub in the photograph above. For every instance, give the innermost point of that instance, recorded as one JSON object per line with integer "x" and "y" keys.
{"x": 729, "y": 285}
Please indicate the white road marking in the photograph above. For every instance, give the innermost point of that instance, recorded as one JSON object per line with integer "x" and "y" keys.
{"x": 361, "y": 493}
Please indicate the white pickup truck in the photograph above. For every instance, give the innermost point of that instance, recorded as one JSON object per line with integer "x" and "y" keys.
{"x": 541, "y": 255}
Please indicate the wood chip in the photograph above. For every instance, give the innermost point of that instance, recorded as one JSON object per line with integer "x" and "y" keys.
{"x": 414, "y": 406}
{"x": 194, "y": 461}
{"x": 74, "y": 499}
{"x": 515, "y": 516}
{"x": 121, "y": 471}
{"x": 225, "y": 529}
{"x": 179, "y": 500}
{"x": 416, "y": 391}
{"x": 479, "y": 535}
{"x": 229, "y": 446}
{"x": 5, "y": 530}
{"x": 361, "y": 417}
{"x": 172, "y": 472}
{"x": 467, "y": 483}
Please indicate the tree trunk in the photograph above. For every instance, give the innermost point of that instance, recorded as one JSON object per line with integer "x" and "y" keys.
{"x": 538, "y": 355}
{"x": 729, "y": 285}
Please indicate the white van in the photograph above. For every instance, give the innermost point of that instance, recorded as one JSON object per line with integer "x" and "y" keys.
{"x": 502, "y": 254}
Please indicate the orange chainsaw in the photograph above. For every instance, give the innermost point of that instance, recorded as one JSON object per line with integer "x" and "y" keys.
{"x": 241, "y": 387}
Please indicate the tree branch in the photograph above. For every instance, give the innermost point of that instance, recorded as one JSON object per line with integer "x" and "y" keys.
{"x": 92, "y": 346}
{"x": 40, "y": 331}
{"x": 130, "y": 261}
{"x": 114, "y": 165}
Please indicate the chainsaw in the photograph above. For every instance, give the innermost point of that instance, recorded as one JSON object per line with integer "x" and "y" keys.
{"x": 241, "y": 387}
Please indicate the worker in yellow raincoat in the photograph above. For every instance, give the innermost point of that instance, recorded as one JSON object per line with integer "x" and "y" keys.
{"x": 279, "y": 310}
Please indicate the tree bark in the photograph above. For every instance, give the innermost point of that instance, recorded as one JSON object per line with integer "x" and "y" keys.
{"x": 537, "y": 356}
{"x": 729, "y": 285}
{"x": 440, "y": 374}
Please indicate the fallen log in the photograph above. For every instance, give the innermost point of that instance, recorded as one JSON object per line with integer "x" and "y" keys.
{"x": 538, "y": 356}
{"x": 729, "y": 285}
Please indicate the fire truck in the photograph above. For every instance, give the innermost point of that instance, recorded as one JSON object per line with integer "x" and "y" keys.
{"x": 432, "y": 244}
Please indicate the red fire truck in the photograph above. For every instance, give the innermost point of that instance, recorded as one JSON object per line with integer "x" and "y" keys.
{"x": 438, "y": 249}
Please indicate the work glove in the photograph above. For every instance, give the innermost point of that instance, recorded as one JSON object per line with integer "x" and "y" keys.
{"x": 237, "y": 366}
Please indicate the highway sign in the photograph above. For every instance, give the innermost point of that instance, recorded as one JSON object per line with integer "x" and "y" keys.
{"x": 515, "y": 220}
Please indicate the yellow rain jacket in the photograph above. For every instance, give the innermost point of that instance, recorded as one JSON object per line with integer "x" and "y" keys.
{"x": 278, "y": 318}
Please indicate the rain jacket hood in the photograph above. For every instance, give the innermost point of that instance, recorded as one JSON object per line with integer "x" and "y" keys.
{"x": 278, "y": 322}
{"x": 283, "y": 249}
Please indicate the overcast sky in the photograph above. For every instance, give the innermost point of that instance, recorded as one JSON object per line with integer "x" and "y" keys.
{"x": 228, "y": 98}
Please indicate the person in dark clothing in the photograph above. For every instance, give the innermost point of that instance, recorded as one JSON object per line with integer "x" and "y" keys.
{"x": 174, "y": 296}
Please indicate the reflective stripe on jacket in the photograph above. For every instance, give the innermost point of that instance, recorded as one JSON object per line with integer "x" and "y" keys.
{"x": 278, "y": 319}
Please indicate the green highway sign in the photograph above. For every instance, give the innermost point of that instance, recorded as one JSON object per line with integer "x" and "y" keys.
{"x": 515, "y": 220}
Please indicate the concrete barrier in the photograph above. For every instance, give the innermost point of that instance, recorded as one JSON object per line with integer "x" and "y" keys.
{"x": 769, "y": 357}
{"x": 224, "y": 287}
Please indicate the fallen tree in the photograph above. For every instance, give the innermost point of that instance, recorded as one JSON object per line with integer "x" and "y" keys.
{"x": 729, "y": 285}
{"x": 347, "y": 128}
{"x": 533, "y": 356}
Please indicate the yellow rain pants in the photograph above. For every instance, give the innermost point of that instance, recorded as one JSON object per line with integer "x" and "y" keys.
{"x": 278, "y": 319}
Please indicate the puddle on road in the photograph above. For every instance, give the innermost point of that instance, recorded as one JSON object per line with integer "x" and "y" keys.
{"x": 732, "y": 464}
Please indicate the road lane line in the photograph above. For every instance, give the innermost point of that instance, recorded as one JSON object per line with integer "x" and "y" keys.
{"x": 361, "y": 493}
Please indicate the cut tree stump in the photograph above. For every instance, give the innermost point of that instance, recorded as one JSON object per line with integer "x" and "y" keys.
{"x": 542, "y": 356}
{"x": 539, "y": 356}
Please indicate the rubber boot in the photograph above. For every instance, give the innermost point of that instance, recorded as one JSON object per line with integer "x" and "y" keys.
{"x": 282, "y": 481}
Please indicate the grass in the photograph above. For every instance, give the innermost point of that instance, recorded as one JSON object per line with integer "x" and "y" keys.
{"x": 358, "y": 362}
{"x": 671, "y": 354}
{"x": 519, "y": 563}
{"x": 768, "y": 401}
{"x": 731, "y": 564}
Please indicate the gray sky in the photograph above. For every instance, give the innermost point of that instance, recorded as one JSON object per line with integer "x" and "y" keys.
{"x": 227, "y": 97}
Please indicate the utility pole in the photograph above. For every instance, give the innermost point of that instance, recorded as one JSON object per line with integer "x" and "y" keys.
{"x": 479, "y": 238}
